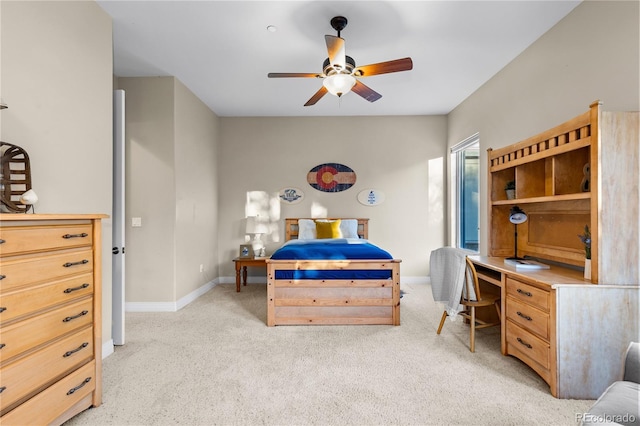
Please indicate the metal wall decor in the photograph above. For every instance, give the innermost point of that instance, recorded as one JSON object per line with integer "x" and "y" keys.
{"x": 15, "y": 178}
{"x": 331, "y": 177}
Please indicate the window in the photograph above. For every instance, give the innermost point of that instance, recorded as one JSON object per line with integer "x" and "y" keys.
{"x": 465, "y": 203}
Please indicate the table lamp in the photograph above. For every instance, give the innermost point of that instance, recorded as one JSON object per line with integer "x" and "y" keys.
{"x": 516, "y": 216}
{"x": 257, "y": 228}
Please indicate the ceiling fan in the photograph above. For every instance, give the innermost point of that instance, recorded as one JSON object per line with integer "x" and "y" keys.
{"x": 339, "y": 72}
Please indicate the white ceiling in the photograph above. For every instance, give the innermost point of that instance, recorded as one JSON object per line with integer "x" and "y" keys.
{"x": 222, "y": 51}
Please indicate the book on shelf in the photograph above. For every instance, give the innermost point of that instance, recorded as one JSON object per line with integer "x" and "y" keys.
{"x": 525, "y": 264}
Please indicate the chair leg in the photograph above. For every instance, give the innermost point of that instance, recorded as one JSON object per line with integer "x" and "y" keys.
{"x": 472, "y": 331}
{"x": 444, "y": 317}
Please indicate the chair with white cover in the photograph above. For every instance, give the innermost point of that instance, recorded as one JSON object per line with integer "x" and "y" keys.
{"x": 470, "y": 299}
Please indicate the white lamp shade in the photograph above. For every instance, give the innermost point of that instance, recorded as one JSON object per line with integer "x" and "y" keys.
{"x": 339, "y": 84}
{"x": 254, "y": 226}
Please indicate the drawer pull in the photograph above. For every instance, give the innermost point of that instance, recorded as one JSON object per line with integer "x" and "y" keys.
{"x": 527, "y": 317}
{"x": 2, "y": 241}
{"x": 84, "y": 382}
{"x": 79, "y": 348}
{"x": 81, "y": 314}
{"x": 526, "y": 293}
{"x": 2, "y": 345}
{"x": 67, "y": 236}
{"x": 69, "y": 264}
{"x": 523, "y": 343}
{"x": 2, "y": 309}
{"x": 2, "y": 388}
{"x": 2, "y": 277}
{"x": 70, "y": 290}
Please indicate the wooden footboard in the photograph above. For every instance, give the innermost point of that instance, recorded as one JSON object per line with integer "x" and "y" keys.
{"x": 328, "y": 301}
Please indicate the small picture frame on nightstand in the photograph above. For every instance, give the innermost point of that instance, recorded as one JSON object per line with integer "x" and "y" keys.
{"x": 246, "y": 251}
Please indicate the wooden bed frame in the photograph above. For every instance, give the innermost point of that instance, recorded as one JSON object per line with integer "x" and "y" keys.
{"x": 303, "y": 302}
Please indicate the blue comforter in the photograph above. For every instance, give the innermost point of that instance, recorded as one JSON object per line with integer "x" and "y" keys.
{"x": 334, "y": 249}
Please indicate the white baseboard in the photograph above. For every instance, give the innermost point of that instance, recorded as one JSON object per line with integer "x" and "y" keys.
{"x": 263, "y": 280}
{"x": 170, "y": 306}
{"x": 181, "y": 303}
{"x": 107, "y": 348}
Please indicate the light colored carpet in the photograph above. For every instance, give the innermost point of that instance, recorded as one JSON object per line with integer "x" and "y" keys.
{"x": 216, "y": 362}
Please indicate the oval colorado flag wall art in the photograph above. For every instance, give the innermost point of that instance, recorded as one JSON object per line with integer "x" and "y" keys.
{"x": 331, "y": 177}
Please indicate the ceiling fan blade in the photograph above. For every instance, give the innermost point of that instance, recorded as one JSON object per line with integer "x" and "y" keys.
{"x": 292, "y": 74}
{"x": 335, "y": 48}
{"x": 366, "y": 92}
{"x": 318, "y": 95}
{"x": 404, "y": 64}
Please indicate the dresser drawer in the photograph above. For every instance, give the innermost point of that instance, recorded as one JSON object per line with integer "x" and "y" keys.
{"x": 528, "y": 317}
{"x": 528, "y": 294}
{"x": 44, "y": 367}
{"x": 527, "y": 344}
{"x": 24, "y": 335}
{"x": 17, "y": 272}
{"x": 50, "y": 404}
{"x": 21, "y": 302}
{"x": 18, "y": 240}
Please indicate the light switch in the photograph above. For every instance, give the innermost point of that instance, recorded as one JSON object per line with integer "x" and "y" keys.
{"x": 136, "y": 221}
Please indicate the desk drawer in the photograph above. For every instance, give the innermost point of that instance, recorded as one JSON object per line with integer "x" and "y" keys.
{"x": 51, "y": 403}
{"x": 25, "y": 270}
{"x": 528, "y": 294}
{"x": 45, "y": 366}
{"x": 17, "y": 240}
{"x": 24, "y": 335}
{"x": 21, "y": 302}
{"x": 528, "y": 317}
{"x": 528, "y": 344}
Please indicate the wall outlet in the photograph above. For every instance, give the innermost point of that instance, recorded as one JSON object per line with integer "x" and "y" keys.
{"x": 201, "y": 267}
{"x": 136, "y": 221}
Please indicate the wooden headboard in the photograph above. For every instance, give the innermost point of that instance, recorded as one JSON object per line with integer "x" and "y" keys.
{"x": 291, "y": 227}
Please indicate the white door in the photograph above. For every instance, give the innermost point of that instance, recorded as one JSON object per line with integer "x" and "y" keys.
{"x": 117, "y": 327}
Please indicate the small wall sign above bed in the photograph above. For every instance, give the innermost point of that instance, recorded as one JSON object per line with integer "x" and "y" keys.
{"x": 370, "y": 197}
{"x": 331, "y": 177}
{"x": 290, "y": 195}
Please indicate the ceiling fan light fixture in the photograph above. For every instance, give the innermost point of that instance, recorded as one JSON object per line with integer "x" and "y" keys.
{"x": 339, "y": 84}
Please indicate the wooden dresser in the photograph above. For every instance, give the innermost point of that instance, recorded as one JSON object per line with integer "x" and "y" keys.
{"x": 50, "y": 316}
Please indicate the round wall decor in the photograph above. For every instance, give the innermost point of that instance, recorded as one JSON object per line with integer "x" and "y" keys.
{"x": 331, "y": 177}
{"x": 370, "y": 197}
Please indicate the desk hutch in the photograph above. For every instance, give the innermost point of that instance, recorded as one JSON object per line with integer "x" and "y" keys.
{"x": 571, "y": 331}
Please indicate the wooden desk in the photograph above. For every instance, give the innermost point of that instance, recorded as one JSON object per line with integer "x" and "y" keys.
{"x": 242, "y": 263}
{"x": 528, "y": 312}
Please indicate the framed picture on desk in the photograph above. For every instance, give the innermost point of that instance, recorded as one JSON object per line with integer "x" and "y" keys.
{"x": 246, "y": 251}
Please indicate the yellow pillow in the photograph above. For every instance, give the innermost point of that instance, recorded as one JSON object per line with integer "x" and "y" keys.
{"x": 328, "y": 229}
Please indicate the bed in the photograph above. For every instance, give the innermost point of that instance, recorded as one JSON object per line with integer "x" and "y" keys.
{"x": 336, "y": 281}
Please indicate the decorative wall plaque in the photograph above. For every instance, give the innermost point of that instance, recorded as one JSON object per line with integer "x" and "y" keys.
{"x": 331, "y": 177}
{"x": 290, "y": 195}
{"x": 370, "y": 197}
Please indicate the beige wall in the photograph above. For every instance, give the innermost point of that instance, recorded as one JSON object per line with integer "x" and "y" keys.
{"x": 196, "y": 207}
{"x": 400, "y": 156}
{"x": 593, "y": 53}
{"x": 59, "y": 94}
{"x": 171, "y": 185}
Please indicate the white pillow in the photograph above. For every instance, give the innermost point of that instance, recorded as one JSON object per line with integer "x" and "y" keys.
{"x": 349, "y": 228}
{"x": 306, "y": 229}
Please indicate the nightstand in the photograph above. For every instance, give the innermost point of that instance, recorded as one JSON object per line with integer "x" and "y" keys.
{"x": 242, "y": 263}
